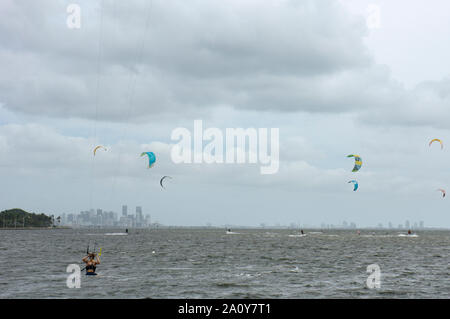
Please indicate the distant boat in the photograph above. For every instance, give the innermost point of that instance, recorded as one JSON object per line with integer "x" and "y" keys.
{"x": 302, "y": 234}
{"x": 408, "y": 235}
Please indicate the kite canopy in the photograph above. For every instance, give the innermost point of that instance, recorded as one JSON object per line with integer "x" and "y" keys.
{"x": 97, "y": 147}
{"x": 161, "y": 181}
{"x": 355, "y": 185}
{"x": 442, "y": 190}
{"x": 436, "y": 140}
{"x": 358, "y": 162}
{"x": 151, "y": 158}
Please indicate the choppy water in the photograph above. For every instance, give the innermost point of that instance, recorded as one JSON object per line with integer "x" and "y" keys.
{"x": 207, "y": 263}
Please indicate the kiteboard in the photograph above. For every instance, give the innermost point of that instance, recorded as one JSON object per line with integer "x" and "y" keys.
{"x": 406, "y": 235}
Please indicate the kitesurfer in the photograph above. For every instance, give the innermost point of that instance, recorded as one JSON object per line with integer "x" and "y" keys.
{"x": 409, "y": 231}
{"x": 302, "y": 232}
{"x": 91, "y": 260}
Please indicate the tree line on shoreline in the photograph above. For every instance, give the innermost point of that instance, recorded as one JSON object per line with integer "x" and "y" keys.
{"x": 16, "y": 217}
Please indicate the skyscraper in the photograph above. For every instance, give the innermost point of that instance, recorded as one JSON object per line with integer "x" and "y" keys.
{"x": 139, "y": 218}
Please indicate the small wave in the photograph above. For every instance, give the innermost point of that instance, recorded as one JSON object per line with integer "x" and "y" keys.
{"x": 175, "y": 268}
{"x": 230, "y": 285}
{"x": 246, "y": 295}
{"x": 379, "y": 236}
{"x": 249, "y": 275}
{"x": 295, "y": 269}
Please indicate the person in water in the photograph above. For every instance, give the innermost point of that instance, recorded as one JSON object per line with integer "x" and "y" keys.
{"x": 302, "y": 232}
{"x": 91, "y": 260}
{"x": 409, "y": 231}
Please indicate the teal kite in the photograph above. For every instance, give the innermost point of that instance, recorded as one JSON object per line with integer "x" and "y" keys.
{"x": 355, "y": 185}
{"x": 151, "y": 158}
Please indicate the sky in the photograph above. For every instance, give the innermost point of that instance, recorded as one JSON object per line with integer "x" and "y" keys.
{"x": 336, "y": 77}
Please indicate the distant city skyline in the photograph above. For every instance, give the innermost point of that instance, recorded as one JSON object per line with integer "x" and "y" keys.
{"x": 98, "y": 217}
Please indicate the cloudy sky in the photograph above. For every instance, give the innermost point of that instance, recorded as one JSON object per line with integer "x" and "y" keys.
{"x": 336, "y": 77}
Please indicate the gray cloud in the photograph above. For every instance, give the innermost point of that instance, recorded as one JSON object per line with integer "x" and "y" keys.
{"x": 291, "y": 56}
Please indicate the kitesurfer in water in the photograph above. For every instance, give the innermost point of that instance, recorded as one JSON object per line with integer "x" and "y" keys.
{"x": 409, "y": 231}
{"x": 302, "y": 232}
{"x": 91, "y": 260}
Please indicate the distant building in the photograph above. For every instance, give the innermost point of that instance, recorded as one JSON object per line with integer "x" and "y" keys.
{"x": 70, "y": 218}
{"x": 99, "y": 218}
{"x": 126, "y": 221}
{"x": 139, "y": 217}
